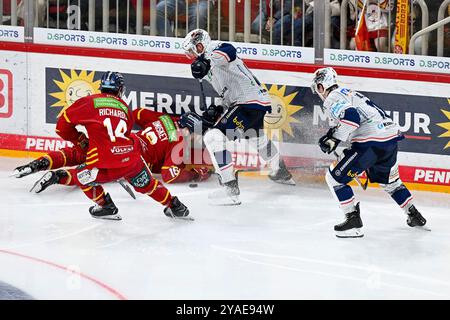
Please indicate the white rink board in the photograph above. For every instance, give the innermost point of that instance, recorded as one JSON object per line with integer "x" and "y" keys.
{"x": 35, "y": 119}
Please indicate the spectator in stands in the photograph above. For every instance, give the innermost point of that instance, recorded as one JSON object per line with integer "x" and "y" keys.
{"x": 306, "y": 19}
{"x": 197, "y": 15}
{"x": 40, "y": 9}
{"x": 271, "y": 16}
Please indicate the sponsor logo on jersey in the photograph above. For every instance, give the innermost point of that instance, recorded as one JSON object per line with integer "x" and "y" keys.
{"x": 160, "y": 130}
{"x": 121, "y": 149}
{"x": 109, "y": 102}
{"x": 6, "y": 93}
{"x": 352, "y": 174}
{"x": 141, "y": 180}
{"x": 239, "y": 123}
{"x": 170, "y": 127}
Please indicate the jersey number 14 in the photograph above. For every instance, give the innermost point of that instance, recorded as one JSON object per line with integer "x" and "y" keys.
{"x": 119, "y": 132}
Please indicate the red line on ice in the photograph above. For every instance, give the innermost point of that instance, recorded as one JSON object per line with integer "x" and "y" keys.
{"x": 114, "y": 292}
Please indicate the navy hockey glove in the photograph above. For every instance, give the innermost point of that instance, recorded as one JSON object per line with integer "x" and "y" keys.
{"x": 200, "y": 67}
{"x": 328, "y": 143}
{"x": 213, "y": 113}
{"x": 193, "y": 121}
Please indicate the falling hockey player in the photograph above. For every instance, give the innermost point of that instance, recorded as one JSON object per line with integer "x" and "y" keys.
{"x": 110, "y": 153}
{"x": 246, "y": 103}
{"x": 373, "y": 137}
{"x": 162, "y": 147}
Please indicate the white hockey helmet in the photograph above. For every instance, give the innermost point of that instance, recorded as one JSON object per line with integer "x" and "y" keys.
{"x": 325, "y": 77}
{"x": 192, "y": 39}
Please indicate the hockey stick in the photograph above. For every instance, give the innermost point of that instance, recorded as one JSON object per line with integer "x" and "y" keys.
{"x": 202, "y": 90}
{"x": 288, "y": 168}
{"x": 357, "y": 179}
{"x": 127, "y": 189}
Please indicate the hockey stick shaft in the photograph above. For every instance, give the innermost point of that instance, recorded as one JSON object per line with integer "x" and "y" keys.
{"x": 202, "y": 91}
{"x": 127, "y": 189}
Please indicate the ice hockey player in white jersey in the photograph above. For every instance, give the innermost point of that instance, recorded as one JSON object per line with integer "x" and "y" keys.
{"x": 373, "y": 137}
{"x": 245, "y": 103}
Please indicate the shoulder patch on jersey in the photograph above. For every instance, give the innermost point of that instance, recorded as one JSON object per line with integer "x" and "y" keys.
{"x": 107, "y": 102}
{"x": 337, "y": 108}
{"x": 227, "y": 50}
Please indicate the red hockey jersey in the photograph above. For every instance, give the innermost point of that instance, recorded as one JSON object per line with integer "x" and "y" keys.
{"x": 161, "y": 136}
{"x": 108, "y": 122}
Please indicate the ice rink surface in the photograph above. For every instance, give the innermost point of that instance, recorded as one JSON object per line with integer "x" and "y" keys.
{"x": 279, "y": 244}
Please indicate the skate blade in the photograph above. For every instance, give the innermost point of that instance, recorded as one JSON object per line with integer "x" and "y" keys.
{"x": 183, "y": 218}
{"x": 352, "y": 233}
{"x": 116, "y": 217}
{"x": 224, "y": 202}
{"x": 424, "y": 228}
{"x": 18, "y": 174}
{"x": 289, "y": 182}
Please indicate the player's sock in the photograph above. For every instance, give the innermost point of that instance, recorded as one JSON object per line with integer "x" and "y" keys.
{"x": 105, "y": 208}
{"x": 351, "y": 227}
{"x": 40, "y": 164}
{"x": 158, "y": 192}
{"x": 346, "y": 197}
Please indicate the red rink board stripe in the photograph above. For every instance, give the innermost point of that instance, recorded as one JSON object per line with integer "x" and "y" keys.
{"x": 255, "y": 64}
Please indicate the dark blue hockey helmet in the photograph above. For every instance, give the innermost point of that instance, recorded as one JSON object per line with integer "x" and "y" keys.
{"x": 112, "y": 82}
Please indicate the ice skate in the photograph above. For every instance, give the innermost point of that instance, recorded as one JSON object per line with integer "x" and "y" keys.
{"x": 108, "y": 211}
{"x": 48, "y": 179}
{"x": 282, "y": 175}
{"x": 415, "y": 219}
{"x": 227, "y": 195}
{"x": 177, "y": 210}
{"x": 32, "y": 167}
{"x": 351, "y": 227}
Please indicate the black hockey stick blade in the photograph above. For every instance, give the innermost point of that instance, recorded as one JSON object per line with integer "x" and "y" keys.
{"x": 127, "y": 189}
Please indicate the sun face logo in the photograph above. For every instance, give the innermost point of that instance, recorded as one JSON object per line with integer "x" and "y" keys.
{"x": 446, "y": 126}
{"x": 279, "y": 120}
{"x": 74, "y": 87}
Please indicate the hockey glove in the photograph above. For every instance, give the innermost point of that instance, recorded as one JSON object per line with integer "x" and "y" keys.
{"x": 202, "y": 173}
{"x": 193, "y": 121}
{"x": 328, "y": 143}
{"x": 82, "y": 142}
{"x": 200, "y": 67}
{"x": 213, "y": 113}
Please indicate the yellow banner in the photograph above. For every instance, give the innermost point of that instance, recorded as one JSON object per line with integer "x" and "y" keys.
{"x": 402, "y": 27}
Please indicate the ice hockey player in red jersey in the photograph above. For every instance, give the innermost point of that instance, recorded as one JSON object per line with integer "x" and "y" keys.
{"x": 112, "y": 151}
{"x": 161, "y": 148}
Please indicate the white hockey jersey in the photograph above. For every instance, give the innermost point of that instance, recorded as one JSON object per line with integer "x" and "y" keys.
{"x": 358, "y": 119}
{"x": 232, "y": 80}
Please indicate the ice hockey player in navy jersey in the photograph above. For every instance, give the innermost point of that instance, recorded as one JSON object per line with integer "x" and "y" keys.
{"x": 373, "y": 137}
{"x": 241, "y": 115}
